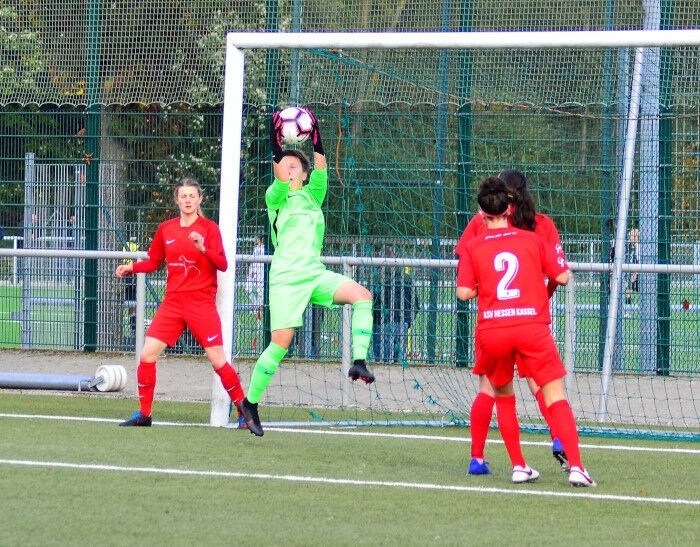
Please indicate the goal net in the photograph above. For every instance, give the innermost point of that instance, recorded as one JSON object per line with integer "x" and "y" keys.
{"x": 605, "y": 126}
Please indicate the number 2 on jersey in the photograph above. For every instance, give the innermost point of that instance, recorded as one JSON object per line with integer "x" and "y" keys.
{"x": 508, "y": 263}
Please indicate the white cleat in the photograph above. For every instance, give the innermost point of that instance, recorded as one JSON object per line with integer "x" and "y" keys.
{"x": 580, "y": 477}
{"x": 524, "y": 474}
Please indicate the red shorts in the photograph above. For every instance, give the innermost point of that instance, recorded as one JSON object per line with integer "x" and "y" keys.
{"x": 478, "y": 359}
{"x": 196, "y": 311}
{"x": 531, "y": 346}
{"x": 479, "y": 368}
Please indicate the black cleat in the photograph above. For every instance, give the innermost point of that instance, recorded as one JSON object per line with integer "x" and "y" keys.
{"x": 560, "y": 455}
{"x": 249, "y": 412}
{"x": 138, "y": 420}
{"x": 358, "y": 371}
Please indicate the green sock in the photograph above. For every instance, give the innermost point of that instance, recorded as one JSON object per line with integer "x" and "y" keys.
{"x": 265, "y": 367}
{"x": 361, "y": 329}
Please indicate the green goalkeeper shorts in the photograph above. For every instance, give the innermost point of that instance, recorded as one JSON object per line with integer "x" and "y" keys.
{"x": 289, "y": 300}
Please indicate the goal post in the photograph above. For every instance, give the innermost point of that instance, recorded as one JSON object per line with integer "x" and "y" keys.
{"x": 232, "y": 130}
{"x": 232, "y": 133}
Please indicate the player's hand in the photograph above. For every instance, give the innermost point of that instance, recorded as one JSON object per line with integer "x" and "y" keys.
{"x": 198, "y": 240}
{"x": 314, "y": 125}
{"x": 276, "y": 120}
{"x": 123, "y": 269}
{"x": 316, "y": 135}
{"x": 276, "y": 136}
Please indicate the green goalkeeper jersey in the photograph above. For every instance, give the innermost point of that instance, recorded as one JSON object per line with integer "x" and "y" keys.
{"x": 298, "y": 227}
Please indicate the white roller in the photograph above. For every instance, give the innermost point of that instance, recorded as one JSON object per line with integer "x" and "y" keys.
{"x": 122, "y": 378}
{"x": 114, "y": 377}
{"x": 103, "y": 373}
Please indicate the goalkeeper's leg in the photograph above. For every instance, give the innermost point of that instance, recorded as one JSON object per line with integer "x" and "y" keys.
{"x": 351, "y": 292}
{"x": 361, "y": 338}
{"x": 265, "y": 368}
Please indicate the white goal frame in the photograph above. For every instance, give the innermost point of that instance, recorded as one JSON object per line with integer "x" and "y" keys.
{"x": 232, "y": 129}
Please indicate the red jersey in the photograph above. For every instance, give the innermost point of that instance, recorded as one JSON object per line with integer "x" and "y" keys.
{"x": 544, "y": 227}
{"x": 506, "y": 266}
{"x": 188, "y": 268}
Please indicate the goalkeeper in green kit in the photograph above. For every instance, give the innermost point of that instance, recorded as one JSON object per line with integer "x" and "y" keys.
{"x": 297, "y": 276}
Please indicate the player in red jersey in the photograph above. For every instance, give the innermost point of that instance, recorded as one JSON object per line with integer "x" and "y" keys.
{"x": 505, "y": 267}
{"x": 193, "y": 251}
{"x": 523, "y": 215}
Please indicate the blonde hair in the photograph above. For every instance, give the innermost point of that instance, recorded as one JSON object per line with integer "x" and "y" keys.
{"x": 190, "y": 183}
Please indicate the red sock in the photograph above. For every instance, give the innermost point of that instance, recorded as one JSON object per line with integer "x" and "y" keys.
{"x": 565, "y": 425}
{"x": 146, "y": 378}
{"x": 510, "y": 429}
{"x": 231, "y": 383}
{"x": 545, "y": 412}
{"x": 480, "y": 422}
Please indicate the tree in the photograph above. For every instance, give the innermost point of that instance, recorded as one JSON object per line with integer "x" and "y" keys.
{"x": 22, "y": 65}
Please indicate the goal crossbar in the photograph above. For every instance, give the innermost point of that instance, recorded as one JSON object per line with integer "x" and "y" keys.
{"x": 466, "y": 40}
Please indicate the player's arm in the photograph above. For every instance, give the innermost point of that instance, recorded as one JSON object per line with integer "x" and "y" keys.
{"x": 213, "y": 249}
{"x": 319, "y": 152}
{"x": 465, "y": 293}
{"x": 276, "y": 193}
{"x": 473, "y": 228}
{"x": 276, "y": 145}
{"x": 563, "y": 278}
{"x": 318, "y": 185}
{"x": 549, "y": 233}
{"x": 320, "y": 161}
{"x": 318, "y": 179}
{"x": 156, "y": 255}
{"x": 555, "y": 266}
{"x": 466, "y": 281}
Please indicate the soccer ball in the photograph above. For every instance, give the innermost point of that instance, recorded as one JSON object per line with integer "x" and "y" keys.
{"x": 296, "y": 125}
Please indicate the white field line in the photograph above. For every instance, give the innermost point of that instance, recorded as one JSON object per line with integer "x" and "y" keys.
{"x": 355, "y": 432}
{"x": 350, "y": 482}
{"x": 587, "y": 494}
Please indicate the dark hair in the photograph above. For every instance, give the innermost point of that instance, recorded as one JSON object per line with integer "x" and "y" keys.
{"x": 493, "y": 196}
{"x": 523, "y": 214}
{"x": 305, "y": 163}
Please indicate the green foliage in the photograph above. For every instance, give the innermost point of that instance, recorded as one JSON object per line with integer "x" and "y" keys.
{"x": 185, "y": 141}
{"x": 12, "y": 199}
{"x": 50, "y": 132}
{"x": 687, "y": 181}
{"x": 22, "y": 65}
{"x": 213, "y": 47}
